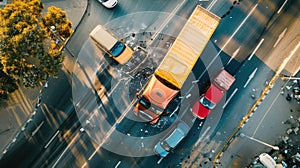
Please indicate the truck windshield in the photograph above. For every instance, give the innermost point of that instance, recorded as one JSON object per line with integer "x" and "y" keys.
{"x": 153, "y": 108}
{"x": 117, "y": 49}
{"x": 206, "y": 103}
{"x": 145, "y": 102}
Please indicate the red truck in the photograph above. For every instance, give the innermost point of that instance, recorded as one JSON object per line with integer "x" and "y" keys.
{"x": 213, "y": 95}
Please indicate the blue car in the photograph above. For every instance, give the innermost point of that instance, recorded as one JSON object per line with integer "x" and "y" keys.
{"x": 165, "y": 146}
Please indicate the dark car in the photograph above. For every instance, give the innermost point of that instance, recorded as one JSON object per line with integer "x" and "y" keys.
{"x": 164, "y": 147}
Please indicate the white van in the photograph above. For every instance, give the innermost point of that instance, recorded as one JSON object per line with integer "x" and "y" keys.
{"x": 267, "y": 160}
{"x": 115, "y": 48}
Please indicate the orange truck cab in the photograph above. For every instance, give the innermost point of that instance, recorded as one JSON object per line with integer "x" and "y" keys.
{"x": 154, "y": 100}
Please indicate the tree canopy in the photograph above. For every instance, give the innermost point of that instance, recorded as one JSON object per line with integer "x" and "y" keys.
{"x": 30, "y": 44}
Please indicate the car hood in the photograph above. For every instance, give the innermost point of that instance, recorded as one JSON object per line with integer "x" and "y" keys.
{"x": 158, "y": 149}
{"x": 200, "y": 111}
{"x": 125, "y": 56}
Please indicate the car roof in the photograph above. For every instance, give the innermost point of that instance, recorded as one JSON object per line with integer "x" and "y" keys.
{"x": 267, "y": 160}
{"x": 177, "y": 135}
{"x": 214, "y": 94}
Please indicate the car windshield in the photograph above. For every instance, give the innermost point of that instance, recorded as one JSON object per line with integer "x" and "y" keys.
{"x": 117, "y": 49}
{"x": 145, "y": 102}
{"x": 165, "y": 145}
{"x": 206, "y": 103}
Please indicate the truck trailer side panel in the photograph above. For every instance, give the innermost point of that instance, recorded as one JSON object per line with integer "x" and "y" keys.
{"x": 187, "y": 48}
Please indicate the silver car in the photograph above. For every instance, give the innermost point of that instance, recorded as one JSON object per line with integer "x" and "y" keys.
{"x": 164, "y": 147}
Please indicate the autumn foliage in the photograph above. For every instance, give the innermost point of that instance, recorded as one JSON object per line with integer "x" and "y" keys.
{"x": 30, "y": 52}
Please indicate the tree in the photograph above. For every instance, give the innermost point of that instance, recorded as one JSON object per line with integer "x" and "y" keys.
{"x": 30, "y": 52}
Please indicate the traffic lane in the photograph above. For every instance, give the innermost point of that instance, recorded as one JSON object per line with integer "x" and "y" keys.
{"x": 243, "y": 100}
{"x": 58, "y": 91}
{"x": 58, "y": 142}
{"x": 280, "y": 38}
{"x": 20, "y": 152}
{"x": 237, "y": 107}
{"x": 48, "y": 138}
{"x": 151, "y": 146}
{"x": 279, "y": 22}
{"x": 31, "y": 142}
{"x": 243, "y": 25}
{"x": 173, "y": 159}
{"x": 266, "y": 125}
{"x": 51, "y": 119}
{"x": 97, "y": 14}
{"x": 245, "y": 97}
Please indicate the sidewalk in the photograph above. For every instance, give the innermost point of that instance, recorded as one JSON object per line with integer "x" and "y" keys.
{"x": 21, "y": 105}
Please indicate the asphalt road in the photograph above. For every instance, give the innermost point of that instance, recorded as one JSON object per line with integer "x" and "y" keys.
{"x": 246, "y": 38}
{"x": 238, "y": 29}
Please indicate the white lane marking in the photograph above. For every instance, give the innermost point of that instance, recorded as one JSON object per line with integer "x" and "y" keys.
{"x": 279, "y": 10}
{"x": 37, "y": 129}
{"x": 113, "y": 128}
{"x": 46, "y": 146}
{"x": 256, "y": 48}
{"x": 200, "y": 139}
{"x": 280, "y": 37}
{"x": 234, "y": 54}
{"x": 118, "y": 164}
{"x": 239, "y": 27}
{"x": 287, "y": 59}
{"x": 158, "y": 162}
{"x": 250, "y": 77}
{"x": 211, "y": 4}
{"x": 235, "y": 90}
{"x": 69, "y": 145}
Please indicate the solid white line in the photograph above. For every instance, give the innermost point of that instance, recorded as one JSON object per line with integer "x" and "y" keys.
{"x": 280, "y": 37}
{"x": 235, "y": 90}
{"x": 118, "y": 164}
{"x": 200, "y": 139}
{"x": 158, "y": 162}
{"x": 37, "y": 128}
{"x": 287, "y": 59}
{"x": 84, "y": 165}
{"x": 239, "y": 27}
{"x": 282, "y": 6}
{"x": 234, "y": 54}
{"x": 256, "y": 48}
{"x": 221, "y": 50}
{"x": 113, "y": 128}
{"x": 211, "y": 4}
{"x": 46, "y": 146}
{"x": 250, "y": 77}
{"x": 69, "y": 145}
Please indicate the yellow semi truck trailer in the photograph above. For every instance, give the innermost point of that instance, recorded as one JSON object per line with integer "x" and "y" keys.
{"x": 176, "y": 66}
